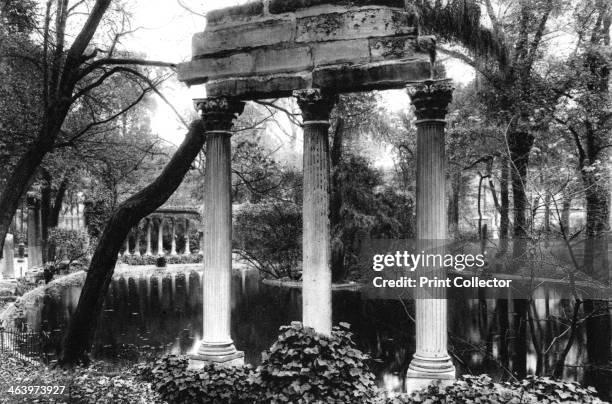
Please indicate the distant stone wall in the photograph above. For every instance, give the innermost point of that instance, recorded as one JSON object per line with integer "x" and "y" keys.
{"x": 258, "y": 49}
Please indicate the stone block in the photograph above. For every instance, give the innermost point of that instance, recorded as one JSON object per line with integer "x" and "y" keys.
{"x": 338, "y": 52}
{"x": 242, "y": 12}
{"x": 284, "y": 6}
{"x": 273, "y": 61}
{"x": 362, "y": 23}
{"x": 201, "y": 70}
{"x": 275, "y": 86}
{"x": 379, "y": 76}
{"x": 251, "y": 35}
{"x": 392, "y": 48}
{"x": 261, "y": 61}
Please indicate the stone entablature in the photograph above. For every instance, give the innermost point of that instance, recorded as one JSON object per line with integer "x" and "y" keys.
{"x": 250, "y": 51}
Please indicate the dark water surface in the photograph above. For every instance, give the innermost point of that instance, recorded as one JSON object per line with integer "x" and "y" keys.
{"x": 163, "y": 312}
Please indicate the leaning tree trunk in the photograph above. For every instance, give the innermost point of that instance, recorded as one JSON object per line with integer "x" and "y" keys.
{"x": 79, "y": 335}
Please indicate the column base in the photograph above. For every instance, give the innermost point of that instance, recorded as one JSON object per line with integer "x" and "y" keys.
{"x": 222, "y": 354}
{"x": 424, "y": 371}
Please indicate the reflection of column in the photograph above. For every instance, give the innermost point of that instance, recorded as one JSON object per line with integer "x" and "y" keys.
{"x": 173, "y": 236}
{"x": 187, "y": 247}
{"x": 316, "y": 287}
{"x": 160, "y": 237}
{"x": 149, "y": 250}
{"x": 431, "y": 360}
{"x": 34, "y": 232}
{"x": 137, "y": 240}
{"x": 217, "y": 344}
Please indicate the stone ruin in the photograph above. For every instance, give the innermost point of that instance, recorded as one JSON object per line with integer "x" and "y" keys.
{"x": 268, "y": 49}
{"x": 313, "y": 50}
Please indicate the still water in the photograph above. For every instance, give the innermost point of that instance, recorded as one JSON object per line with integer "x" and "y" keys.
{"x": 162, "y": 312}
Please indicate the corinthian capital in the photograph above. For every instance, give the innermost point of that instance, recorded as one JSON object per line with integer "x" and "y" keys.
{"x": 218, "y": 113}
{"x": 316, "y": 105}
{"x": 431, "y": 98}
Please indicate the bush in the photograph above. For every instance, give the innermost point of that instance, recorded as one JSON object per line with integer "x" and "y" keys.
{"x": 547, "y": 390}
{"x": 160, "y": 262}
{"x": 213, "y": 384}
{"x": 300, "y": 367}
{"x": 153, "y": 259}
{"x": 70, "y": 245}
{"x": 304, "y": 367}
{"x": 481, "y": 389}
{"x": 268, "y": 236}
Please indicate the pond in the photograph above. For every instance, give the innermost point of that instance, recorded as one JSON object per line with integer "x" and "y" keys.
{"x": 162, "y": 312}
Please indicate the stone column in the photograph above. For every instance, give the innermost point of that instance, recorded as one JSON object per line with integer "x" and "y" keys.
{"x": 316, "y": 247}
{"x": 187, "y": 248}
{"x": 7, "y": 263}
{"x": 217, "y": 345}
{"x": 137, "y": 240}
{"x": 173, "y": 235}
{"x": 34, "y": 232}
{"x": 431, "y": 360}
{"x": 149, "y": 250}
{"x": 160, "y": 237}
{"x": 127, "y": 245}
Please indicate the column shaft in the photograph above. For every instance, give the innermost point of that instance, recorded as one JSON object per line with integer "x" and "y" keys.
{"x": 316, "y": 277}
{"x": 34, "y": 233}
{"x": 160, "y": 237}
{"x": 431, "y": 360}
{"x": 316, "y": 246}
{"x": 217, "y": 345}
{"x": 187, "y": 247}
{"x": 8, "y": 258}
{"x": 217, "y": 242}
{"x": 149, "y": 250}
{"x": 173, "y": 235}
{"x": 136, "y": 241}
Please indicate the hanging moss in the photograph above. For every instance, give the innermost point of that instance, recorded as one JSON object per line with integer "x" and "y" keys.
{"x": 246, "y": 10}
{"x": 459, "y": 21}
{"x": 286, "y": 6}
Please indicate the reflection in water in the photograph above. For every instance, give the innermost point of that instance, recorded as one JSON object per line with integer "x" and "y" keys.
{"x": 163, "y": 312}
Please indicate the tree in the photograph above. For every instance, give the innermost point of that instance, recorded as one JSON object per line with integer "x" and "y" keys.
{"x": 505, "y": 55}
{"x": 79, "y": 335}
{"x": 584, "y": 112}
{"x": 68, "y": 74}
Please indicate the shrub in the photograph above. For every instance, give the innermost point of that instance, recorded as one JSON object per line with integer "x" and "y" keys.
{"x": 304, "y": 367}
{"x": 268, "y": 236}
{"x": 153, "y": 259}
{"x": 175, "y": 383}
{"x": 481, "y": 389}
{"x": 300, "y": 367}
{"x": 160, "y": 262}
{"x": 70, "y": 245}
{"x": 547, "y": 390}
